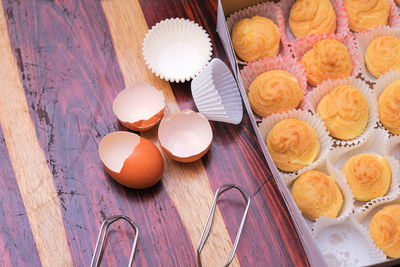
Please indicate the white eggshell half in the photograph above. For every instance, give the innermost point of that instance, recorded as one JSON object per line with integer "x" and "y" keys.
{"x": 116, "y": 147}
{"x": 185, "y": 134}
{"x": 138, "y": 102}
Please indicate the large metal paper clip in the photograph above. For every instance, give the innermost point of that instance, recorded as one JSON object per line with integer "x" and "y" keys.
{"x": 210, "y": 219}
{"x": 102, "y": 236}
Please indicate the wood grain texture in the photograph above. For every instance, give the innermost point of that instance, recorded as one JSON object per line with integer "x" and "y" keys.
{"x": 17, "y": 245}
{"x": 235, "y": 156}
{"x": 29, "y": 163}
{"x": 71, "y": 75}
{"x": 186, "y": 184}
{"x": 71, "y": 67}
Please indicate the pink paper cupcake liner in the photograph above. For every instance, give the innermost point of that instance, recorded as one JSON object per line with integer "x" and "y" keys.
{"x": 342, "y": 23}
{"x": 302, "y": 45}
{"x": 289, "y": 64}
{"x": 269, "y": 10}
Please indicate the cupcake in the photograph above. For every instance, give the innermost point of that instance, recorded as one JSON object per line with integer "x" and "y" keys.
{"x": 312, "y": 17}
{"x": 389, "y": 107}
{"x": 317, "y": 194}
{"x": 328, "y": 59}
{"x": 255, "y": 38}
{"x": 384, "y": 229}
{"x": 363, "y": 14}
{"x": 274, "y": 91}
{"x": 293, "y": 145}
{"x": 383, "y": 54}
{"x": 369, "y": 176}
{"x": 344, "y": 111}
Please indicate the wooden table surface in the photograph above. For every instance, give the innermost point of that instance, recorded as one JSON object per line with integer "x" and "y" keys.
{"x": 62, "y": 64}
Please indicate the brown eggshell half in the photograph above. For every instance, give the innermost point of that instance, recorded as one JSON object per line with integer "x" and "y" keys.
{"x": 185, "y": 136}
{"x": 139, "y": 107}
{"x": 131, "y": 160}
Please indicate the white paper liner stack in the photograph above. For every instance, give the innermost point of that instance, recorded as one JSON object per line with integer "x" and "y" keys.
{"x": 314, "y": 97}
{"x": 216, "y": 94}
{"x": 324, "y": 139}
{"x": 376, "y": 143}
{"x": 345, "y": 242}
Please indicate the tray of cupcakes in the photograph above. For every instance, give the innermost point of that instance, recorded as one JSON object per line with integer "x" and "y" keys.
{"x": 320, "y": 80}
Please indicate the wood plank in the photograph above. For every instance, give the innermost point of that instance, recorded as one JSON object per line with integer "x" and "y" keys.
{"x": 235, "y": 156}
{"x": 17, "y": 248}
{"x": 186, "y": 184}
{"x": 29, "y": 163}
{"x": 70, "y": 75}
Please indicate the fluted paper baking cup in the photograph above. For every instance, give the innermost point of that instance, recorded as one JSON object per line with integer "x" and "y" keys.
{"x": 302, "y": 45}
{"x": 250, "y": 72}
{"x": 394, "y": 15}
{"x": 342, "y": 24}
{"x": 363, "y": 40}
{"x": 382, "y": 83}
{"x": 348, "y": 201}
{"x": 268, "y": 10}
{"x": 324, "y": 139}
{"x": 176, "y": 49}
{"x": 375, "y": 143}
{"x": 393, "y": 147}
{"x": 314, "y": 97}
{"x": 345, "y": 242}
{"x": 216, "y": 94}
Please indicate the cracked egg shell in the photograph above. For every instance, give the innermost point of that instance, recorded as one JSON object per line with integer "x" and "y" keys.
{"x": 139, "y": 107}
{"x": 185, "y": 136}
{"x": 131, "y": 160}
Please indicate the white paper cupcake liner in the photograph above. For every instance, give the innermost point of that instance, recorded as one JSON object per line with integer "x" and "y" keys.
{"x": 342, "y": 23}
{"x": 216, "y": 94}
{"x": 176, "y": 49}
{"x": 345, "y": 242}
{"x": 289, "y": 64}
{"x": 268, "y": 10}
{"x": 392, "y": 147}
{"x": 382, "y": 83}
{"x": 325, "y": 140}
{"x": 375, "y": 143}
{"x": 363, "y": 39}
{"x": 348, "y": 200}
{"x": 314, "y": 97}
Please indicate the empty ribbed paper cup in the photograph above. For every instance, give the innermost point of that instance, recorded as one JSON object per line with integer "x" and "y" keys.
{"x": 216, "y": 94}
{"x": 176, "y": 49}
{"x": 345, "y": 242}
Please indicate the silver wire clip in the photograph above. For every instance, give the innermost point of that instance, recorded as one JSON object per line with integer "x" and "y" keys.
{"x": 210, "y": 219}
{"x": 102, "y": 236}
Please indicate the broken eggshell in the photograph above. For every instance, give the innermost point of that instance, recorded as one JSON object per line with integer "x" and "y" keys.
{"x": 139, "y": 107}
{"x": 131, "y": 160}
{"x": 185, "y": 136}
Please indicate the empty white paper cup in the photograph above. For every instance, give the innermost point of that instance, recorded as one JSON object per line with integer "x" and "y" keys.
{"x": 216, "y": 93}
{"x": 176, "y": 49}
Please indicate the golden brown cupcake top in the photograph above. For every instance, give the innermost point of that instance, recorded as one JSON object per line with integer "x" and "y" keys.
{"x": 383, "y": 54}
{"x": 364, "y": 14}
{"x": 293, "y": 145}
{"x": 344, "y": 111}
{"x": 274, "y": 91}
{"x": 312, "y": 17}
{"x": 317, "y": 194}
{"x": 389, "y": 107}
{"x": 368, "y": 175}
{"x": 398, "y": 2}
{"x": 255, "y": 38}
{"x": 384, "y": 229}
{"x": 328, "y": 59}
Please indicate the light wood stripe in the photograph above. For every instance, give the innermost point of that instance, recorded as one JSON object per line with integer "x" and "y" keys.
{"x": 29, "y": 162}
{"x": 186, "y": 184}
